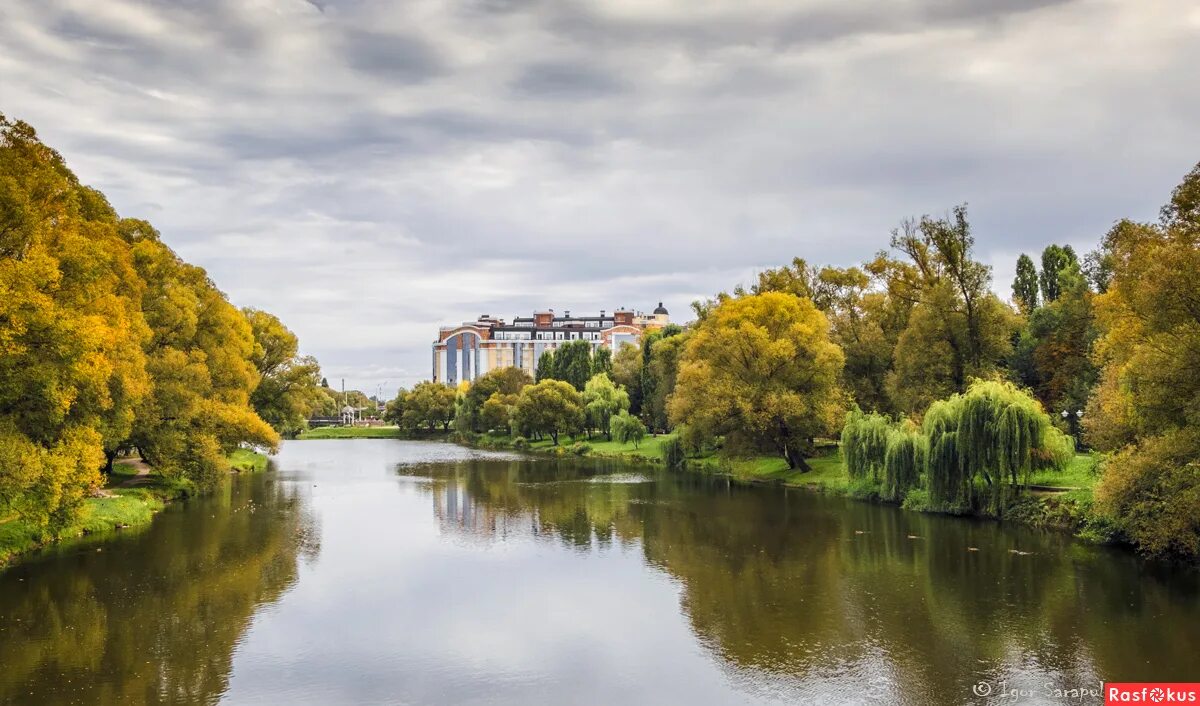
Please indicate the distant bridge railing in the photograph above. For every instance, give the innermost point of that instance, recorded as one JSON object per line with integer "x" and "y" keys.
{"x": 315, "y": 422}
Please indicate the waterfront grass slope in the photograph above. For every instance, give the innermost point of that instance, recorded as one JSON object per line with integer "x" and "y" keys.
{"x": 1057, "y": 499}
{"x": 129, "y": 499}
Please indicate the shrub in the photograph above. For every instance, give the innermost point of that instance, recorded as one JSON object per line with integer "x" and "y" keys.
{"x": 1154, "y": 490}
{"x": 863, "y": 489}
{"x": 520, "y": 443}
{"x": 917, "y": 500}
{"x": 580, "y": 448}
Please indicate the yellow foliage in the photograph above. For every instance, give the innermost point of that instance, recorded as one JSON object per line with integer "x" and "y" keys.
{"x": 761, "y": 369}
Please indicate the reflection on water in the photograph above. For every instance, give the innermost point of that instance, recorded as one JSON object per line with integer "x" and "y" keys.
{"x": 452, "y": 576}
{"x": 843, "y": 600}
{"x": 151, "y": 618}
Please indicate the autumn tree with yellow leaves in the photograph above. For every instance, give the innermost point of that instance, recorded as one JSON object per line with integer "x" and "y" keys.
{"x": 761, "y": 371}
{"x": 107, "y": 341}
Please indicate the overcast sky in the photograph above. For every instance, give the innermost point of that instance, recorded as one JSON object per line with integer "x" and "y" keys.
{"x": 368, "y": 170}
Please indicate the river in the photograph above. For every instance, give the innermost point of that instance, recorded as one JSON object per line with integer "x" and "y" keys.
{"x": 379, "y": 571}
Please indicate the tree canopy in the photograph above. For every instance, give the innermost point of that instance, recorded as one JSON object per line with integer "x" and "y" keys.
{"x": 110, "y": 341}
{"x": 761, "y": 370}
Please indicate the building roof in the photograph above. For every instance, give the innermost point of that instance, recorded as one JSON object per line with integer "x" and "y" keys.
{"x": 661, "y": 309}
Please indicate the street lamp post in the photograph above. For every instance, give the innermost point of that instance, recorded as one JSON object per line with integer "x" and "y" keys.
{"x": 1073, "y": 422}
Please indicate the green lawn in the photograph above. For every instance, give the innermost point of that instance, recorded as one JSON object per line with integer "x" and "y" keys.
{"x": 351, "y": 433}
{"x": 1081, "y": 473}
{"x": 124, "y": 507}
{"x": 650, "y": 447}
{"x": 825, "y": 470}
{"x": 245, "y": 460}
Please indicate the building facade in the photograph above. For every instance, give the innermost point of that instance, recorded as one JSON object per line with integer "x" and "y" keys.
{"x": 468, "y": 350}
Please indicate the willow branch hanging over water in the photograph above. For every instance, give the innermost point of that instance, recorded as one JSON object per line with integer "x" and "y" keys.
{"x": 983, "y": 445}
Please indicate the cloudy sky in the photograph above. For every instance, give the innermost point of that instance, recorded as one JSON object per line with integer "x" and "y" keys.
{"x": 367, "y": 170}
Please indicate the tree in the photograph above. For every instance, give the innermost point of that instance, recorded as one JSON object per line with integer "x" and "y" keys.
{"x": 573, "y": 363}
{"x": 663, "y": 370}
{"x": 108, "y": 341}
{"x": 1058, "y": 339}
{"x": 1055, "y": 260}
{"x": 994, "y": 433}
{"x": 549, "y": 407}
{"x": 545, "y": 366}
{"x": 653, "y": 399}
{"x": 761, "y": 370}
{"x": 393, "y": 411}
{"x": 627, "y": 372}
{"x": 429, "y": 404}
{"x": 1025, "y": 285}
{"x": 602, "y": 399}
{"x": 1146, "y": 410}
{"x": 602, "y": 361}
{"x": 288, "y": 389}
{"x": 957, "y": 328}
{"x": 505, "y": 381}
{"x": 626, "y": 428}
{"x": 498, "y": 410}
{"x": 72, "y": 366}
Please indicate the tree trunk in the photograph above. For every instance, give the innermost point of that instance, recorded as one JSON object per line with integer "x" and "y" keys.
{"x": 795, "y": 459}
{"x": 109, "y": 457}
{"x": 554, "y": 437}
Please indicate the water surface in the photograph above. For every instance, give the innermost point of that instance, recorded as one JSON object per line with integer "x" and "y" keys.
{"x": 378, "y": 571}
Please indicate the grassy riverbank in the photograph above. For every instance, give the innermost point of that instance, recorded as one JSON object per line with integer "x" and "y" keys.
{"x": 130, "y": 498}
{"x": 351, "y": 433}
{"x": 1057, "y": 499}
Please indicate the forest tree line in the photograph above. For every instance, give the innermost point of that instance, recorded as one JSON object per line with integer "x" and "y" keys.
{"x": 110, "y": 343}
{"x": 934, "y": 383}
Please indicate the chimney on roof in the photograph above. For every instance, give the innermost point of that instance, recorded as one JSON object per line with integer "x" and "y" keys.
{"x": 567, "y": 313}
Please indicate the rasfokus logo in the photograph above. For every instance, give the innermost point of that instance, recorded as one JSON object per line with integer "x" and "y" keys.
{"x": 1151, "y": 693}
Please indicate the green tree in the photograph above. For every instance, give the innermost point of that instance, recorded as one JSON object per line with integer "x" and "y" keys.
{"x": 627, "y": 372}
{"x": 393, "y": 411}
{"x": 761, "y": 370}
{"x": 957, "y": 329}
{"x": 663, "y": 370}
{"x": 549, "y": 407}
{"x": 1025, "y": 285}
{"x": 602, "y": 361}
{"x": 505, "y": 381}
{"x": 430, "y": 405}
{"x": 626, "y": 428}
{"x": 652, "y": 386}
{"x": 1057, "y": 261}
{"x": 573, "y": 363}
{"x": 994, "y": 433}
{"x": 602, "y": 399}
{"x": 498, "y": 410}
{"x": 545, "y": 366}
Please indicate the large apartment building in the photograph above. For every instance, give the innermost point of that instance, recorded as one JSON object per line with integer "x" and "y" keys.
{"x": 472, "y": 348}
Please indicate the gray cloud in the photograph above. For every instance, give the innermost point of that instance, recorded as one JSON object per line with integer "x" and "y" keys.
{"x": 568, "y": 81}
{"x": 393, "y": 57}
{"x": 368, "y": 170}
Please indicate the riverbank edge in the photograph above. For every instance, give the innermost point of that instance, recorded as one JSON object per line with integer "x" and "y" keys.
{"x": 324, "y": 433}
{"x": 1057, "y": 511}
{"x": 119, "y": 508}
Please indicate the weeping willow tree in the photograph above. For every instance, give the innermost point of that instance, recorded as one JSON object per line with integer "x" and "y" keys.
{"x": 864, "y": 444}
{"x": 984, "y": 443}
{"x": 903, "y": 462}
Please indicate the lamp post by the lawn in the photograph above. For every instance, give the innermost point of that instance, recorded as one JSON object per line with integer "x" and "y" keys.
{"x": 1073, "y": 422}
